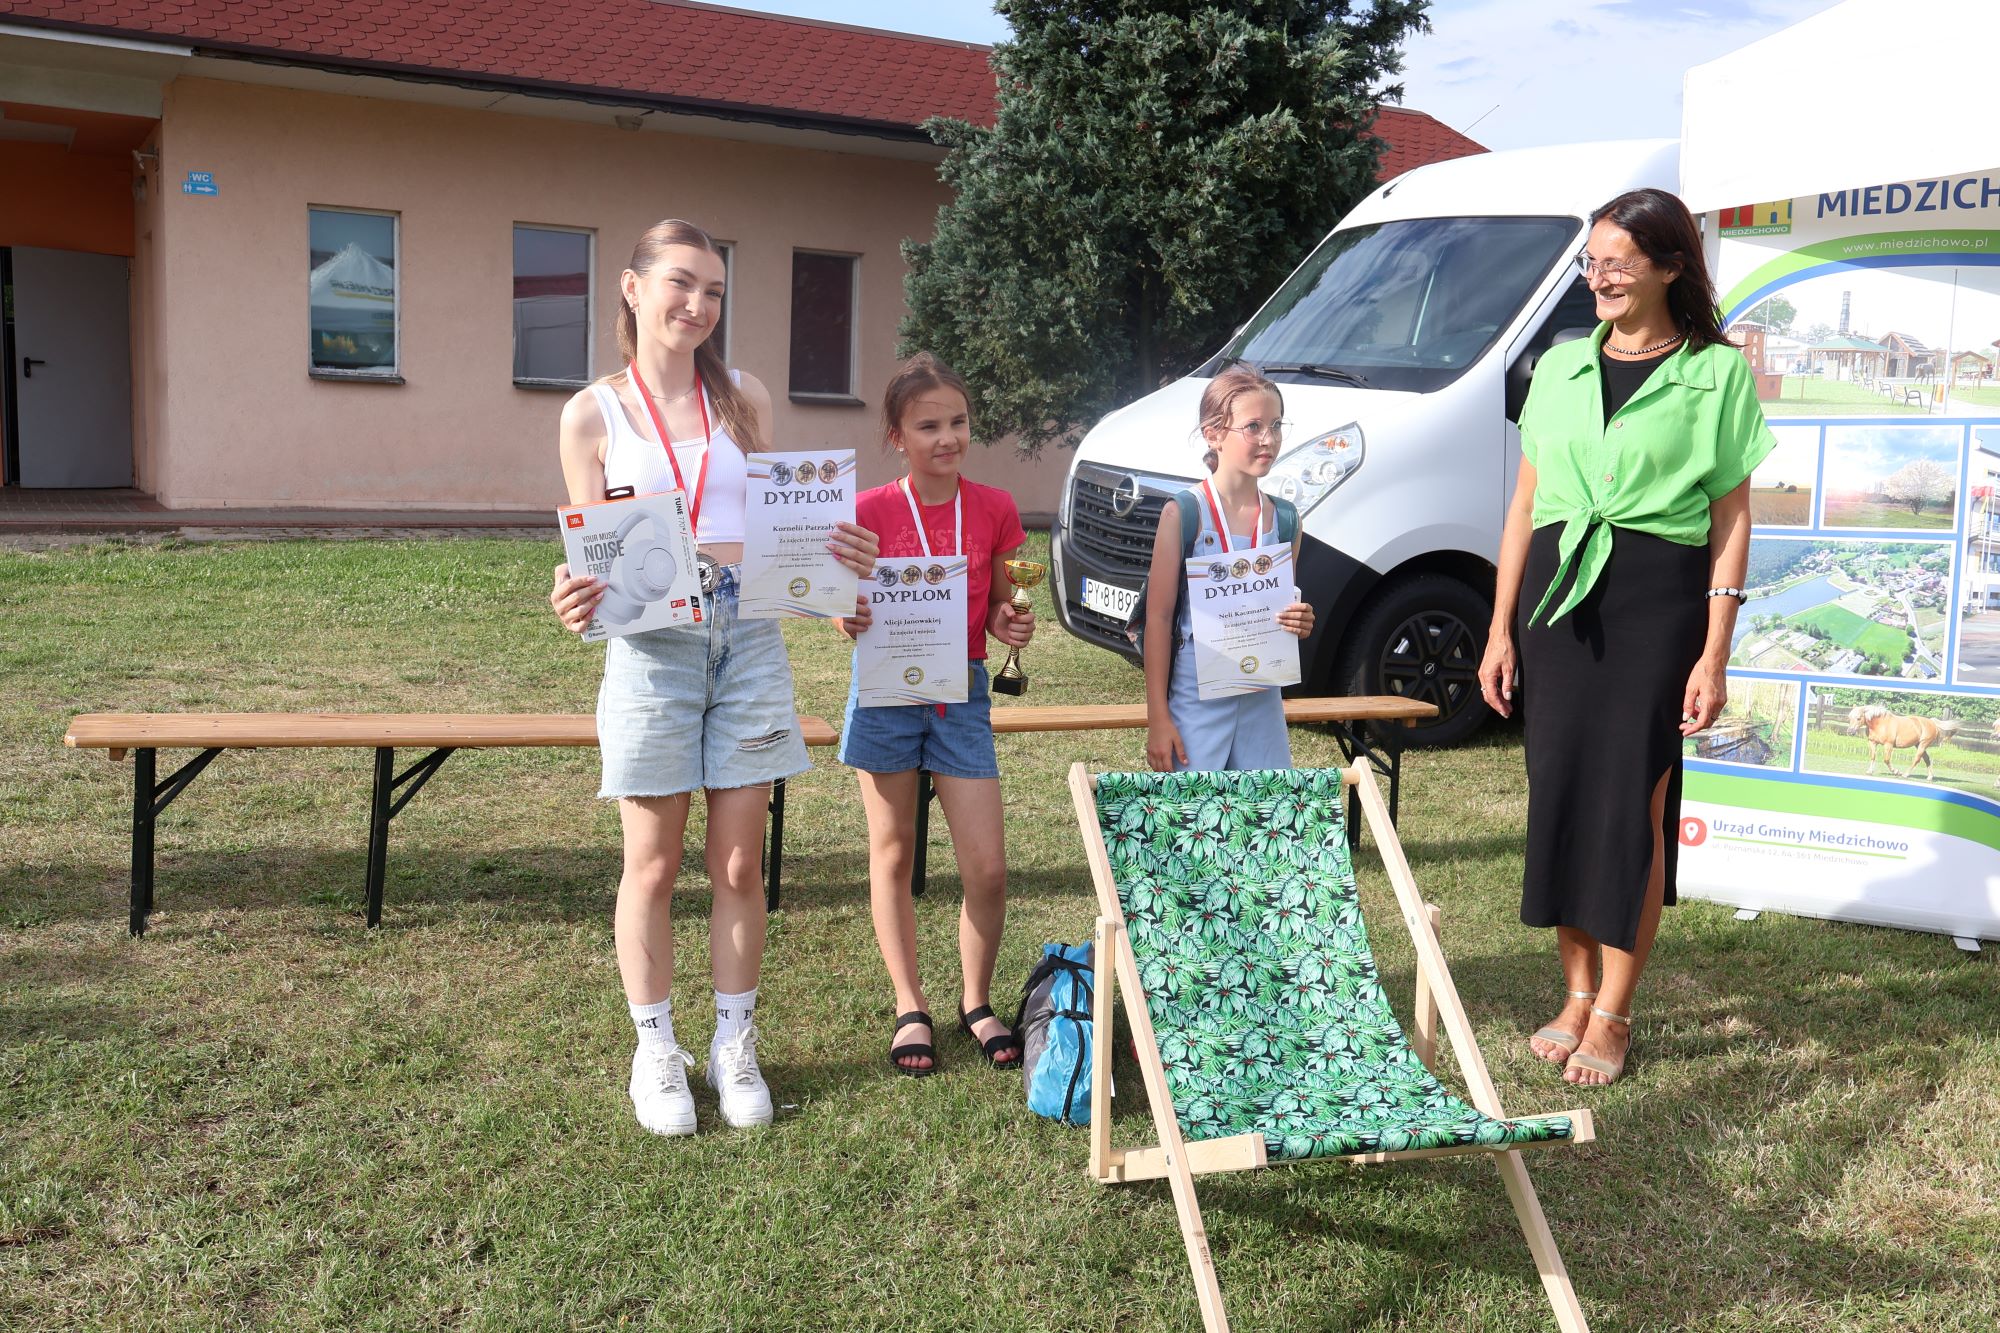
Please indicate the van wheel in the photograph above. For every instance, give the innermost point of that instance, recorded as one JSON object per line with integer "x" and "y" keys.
{"x": 1421, "y": 638}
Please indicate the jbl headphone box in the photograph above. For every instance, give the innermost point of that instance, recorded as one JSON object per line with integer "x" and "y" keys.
{"x": 643, "y": 549}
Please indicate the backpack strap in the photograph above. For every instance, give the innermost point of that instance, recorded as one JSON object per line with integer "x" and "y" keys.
{"x": 1288, "y": 519}
{"x": 1190, "y": 507}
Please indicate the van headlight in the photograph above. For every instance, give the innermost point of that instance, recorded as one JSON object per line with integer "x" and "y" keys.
{"x": 1067, "y": 502}
{"x": 1308, "y": 474}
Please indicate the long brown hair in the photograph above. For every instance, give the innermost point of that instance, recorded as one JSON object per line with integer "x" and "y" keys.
{"x": 922, "y": 371}
{"x": 1219, "y": 399}
{"x": 731, "y": 403}
{"x": 1663, "y": 229}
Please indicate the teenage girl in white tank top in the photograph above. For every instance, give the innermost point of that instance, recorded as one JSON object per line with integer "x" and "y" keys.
{"x": 705, "y": 706}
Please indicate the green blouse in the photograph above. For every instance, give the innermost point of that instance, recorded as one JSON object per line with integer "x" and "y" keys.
{"x": 1689, "y": 436}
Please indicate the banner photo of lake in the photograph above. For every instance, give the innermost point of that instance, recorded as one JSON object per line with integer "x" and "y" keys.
{"x": 1855, "y": 772}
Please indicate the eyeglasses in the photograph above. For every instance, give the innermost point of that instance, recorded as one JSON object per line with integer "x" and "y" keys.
{"x": 1256, "y": 431}
{"x": 1611, "y": 270}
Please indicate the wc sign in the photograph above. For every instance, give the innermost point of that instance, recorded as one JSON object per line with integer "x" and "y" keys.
{"x": 200, "y": 182}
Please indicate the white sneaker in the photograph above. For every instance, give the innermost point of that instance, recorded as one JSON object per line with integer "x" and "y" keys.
{"x": 660, "y": 1095}
{"x": 738, "y": 1084}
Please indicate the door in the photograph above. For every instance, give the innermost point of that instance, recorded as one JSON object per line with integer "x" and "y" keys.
{"x": 72, "y": 371}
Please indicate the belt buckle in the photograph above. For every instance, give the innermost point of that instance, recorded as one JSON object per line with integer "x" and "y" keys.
{"x": 710, "y": 571}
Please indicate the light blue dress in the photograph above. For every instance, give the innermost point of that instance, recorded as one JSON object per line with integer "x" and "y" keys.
{"x": 1244, "y": 730}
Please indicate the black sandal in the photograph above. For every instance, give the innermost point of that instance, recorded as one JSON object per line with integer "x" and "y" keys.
{"x": 924, "y": 1049}
{"x": 991, "y": 1044}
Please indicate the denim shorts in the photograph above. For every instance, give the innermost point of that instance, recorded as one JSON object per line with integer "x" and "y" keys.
{"x": 906, "y": 736}
{"x": 1244, "y": 731}
{"x": 699, "y": 706}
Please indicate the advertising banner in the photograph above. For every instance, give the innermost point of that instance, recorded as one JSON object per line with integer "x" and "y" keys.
{"x": 1855, "y": 773}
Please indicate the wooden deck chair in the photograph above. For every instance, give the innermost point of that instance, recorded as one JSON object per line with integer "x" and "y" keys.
{"x": 1229, "y": 923}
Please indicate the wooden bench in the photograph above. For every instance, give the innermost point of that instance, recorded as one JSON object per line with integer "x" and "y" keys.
{"x": 144, "y": 734}
{"x": 1344, "y": 715}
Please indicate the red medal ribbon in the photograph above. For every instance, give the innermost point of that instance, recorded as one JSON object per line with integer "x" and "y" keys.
{"x": 1222, "y": 528}
{"x": 660, "y": 429}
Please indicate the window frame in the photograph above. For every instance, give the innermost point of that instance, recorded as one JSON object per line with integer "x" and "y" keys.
{"x": 728, "y": 249}
{"x": 850, "y": 397}
{"x": 589, "y": 235}
{"x": 393, "y": 374}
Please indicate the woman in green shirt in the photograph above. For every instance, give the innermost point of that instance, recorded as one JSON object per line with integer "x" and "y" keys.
{"x": 1630, "y": 530}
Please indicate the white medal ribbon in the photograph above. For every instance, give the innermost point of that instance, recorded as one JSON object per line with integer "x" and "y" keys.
{"x": 957, "y": 520}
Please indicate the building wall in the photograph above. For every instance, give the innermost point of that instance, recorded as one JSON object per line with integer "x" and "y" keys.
{"x": 240, "y": 422}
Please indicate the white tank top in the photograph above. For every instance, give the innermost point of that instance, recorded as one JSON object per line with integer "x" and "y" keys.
{"x": 630, "y": 459}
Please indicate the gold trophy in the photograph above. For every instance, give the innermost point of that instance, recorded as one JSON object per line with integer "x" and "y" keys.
{"x": 1023, "y": 574}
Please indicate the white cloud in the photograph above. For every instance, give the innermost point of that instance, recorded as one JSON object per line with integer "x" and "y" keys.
{"x": 1579, "y": 70}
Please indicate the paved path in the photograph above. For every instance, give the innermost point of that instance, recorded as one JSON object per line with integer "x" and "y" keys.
{"x": 35, "y": 520}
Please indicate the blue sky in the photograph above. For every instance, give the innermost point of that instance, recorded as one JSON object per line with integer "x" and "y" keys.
{"x": 1526, "y": 71}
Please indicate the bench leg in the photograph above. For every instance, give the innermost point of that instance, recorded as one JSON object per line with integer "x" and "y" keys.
{"x": 149, "y": 798}
{"x": 774, "y": 854}
{"x": 1386, "y": 760}
{"x": 142, "y": 838}
{"x": 919, "y": 863}
{"x": 378, "y": 830}
{"x": 384, "y": 805}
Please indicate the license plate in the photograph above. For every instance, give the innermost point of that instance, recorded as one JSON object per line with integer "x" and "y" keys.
{"x": 1108, "y": 599}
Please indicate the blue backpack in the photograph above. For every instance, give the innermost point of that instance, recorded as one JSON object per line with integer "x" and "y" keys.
{"x": 1054, "y": 1023}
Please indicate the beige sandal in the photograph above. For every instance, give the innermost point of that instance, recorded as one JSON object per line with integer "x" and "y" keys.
{"x": 1568, "y": 1041}
{"x": 1595, "y": 1065}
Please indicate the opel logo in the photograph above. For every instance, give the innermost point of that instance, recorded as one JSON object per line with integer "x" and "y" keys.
{"x": 1125, "y": 496}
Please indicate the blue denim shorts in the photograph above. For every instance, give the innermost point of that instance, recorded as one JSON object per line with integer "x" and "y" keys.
{"x": 906, "y": 736}
{"x": 699, "y": 706}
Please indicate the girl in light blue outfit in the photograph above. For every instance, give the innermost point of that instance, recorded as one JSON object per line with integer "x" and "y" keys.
{"x": 1240, "y": 413}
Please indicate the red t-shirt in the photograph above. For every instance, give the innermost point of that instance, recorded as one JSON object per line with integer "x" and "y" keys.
{"x": 992, "y": 527}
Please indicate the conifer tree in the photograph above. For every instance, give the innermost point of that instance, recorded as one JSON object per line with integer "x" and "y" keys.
{"x": 1154, "y": 171}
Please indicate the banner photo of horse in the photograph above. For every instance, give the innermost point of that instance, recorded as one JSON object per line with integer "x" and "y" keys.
{"x": 1940, "y": 739}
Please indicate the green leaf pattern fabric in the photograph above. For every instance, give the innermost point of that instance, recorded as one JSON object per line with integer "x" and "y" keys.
{"x": 1239, "y": 902}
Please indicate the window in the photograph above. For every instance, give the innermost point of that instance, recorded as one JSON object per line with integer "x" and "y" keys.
{"x": 718, "y": 337}
{"x": 823, "y": 300}
{"x": 1409, "y": 304}
{"x": 353, "y": 293}
{"x": 551, "y": 306}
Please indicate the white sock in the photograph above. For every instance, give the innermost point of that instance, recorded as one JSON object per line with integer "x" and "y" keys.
{"x": 733, "y": 1013}
{"x": 655, "y": 1023}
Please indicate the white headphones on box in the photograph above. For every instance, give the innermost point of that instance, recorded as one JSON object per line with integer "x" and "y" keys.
{"x": 643, "y": 573}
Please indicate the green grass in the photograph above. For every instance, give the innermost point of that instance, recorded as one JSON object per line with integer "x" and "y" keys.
{"x": 1886, "y": 644}
{"x": 263, "y": 1115}
{"x": 1846, "y": 511}
{"x": 1985, "y": 395}
{"x": 1805, "y": 396}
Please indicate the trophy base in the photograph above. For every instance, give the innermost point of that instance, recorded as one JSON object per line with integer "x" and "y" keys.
{"x": 1010, "y": 685}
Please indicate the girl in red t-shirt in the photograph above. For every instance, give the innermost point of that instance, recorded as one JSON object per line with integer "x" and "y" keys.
{"x": 935, "y": 512}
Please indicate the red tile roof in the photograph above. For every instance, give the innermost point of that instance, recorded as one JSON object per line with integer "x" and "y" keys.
{"x": 1414, "y": 139}
{"x": 695, "y": 56}
{"x": 700, "y": 57}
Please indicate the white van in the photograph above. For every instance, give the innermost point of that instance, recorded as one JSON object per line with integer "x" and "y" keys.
{"x": 1403, "y": 344}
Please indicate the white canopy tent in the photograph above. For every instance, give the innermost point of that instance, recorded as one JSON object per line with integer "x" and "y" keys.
{"x": 1897, "y": 90}
{"x": 353, "y": 292}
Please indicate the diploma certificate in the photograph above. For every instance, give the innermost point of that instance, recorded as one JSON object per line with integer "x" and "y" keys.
{"x": 1233, "y": 601}
{"x": 791, "y": 502}
{"x": 914, "y": 651}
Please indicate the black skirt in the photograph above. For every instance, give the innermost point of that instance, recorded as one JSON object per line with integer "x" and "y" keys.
{"x": 1601, "y": 694}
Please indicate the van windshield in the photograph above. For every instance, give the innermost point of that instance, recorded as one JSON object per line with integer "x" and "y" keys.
{"x": 1404, "y": 305}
